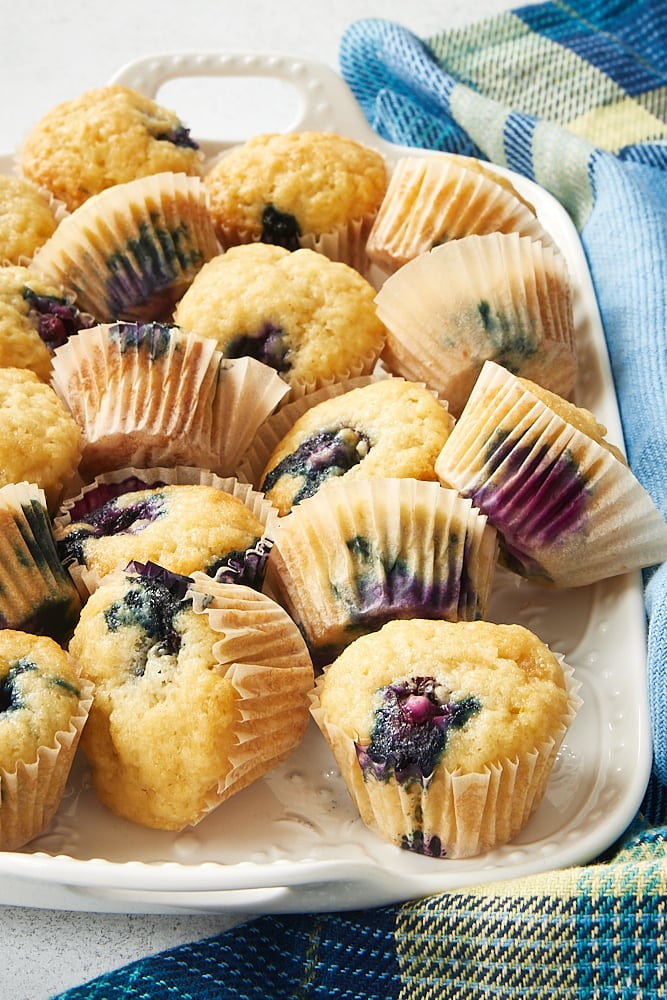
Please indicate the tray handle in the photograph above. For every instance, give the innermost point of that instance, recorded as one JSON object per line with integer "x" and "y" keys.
{"x": 324, "y": 101}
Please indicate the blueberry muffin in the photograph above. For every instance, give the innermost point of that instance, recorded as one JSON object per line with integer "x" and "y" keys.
{"x": 30, "y": 411}
{"x": 567, "y": 508}
{"x": 27, "y": 219}
{"x": 36, "y": 592}
{"x": 163, "y": 651}
{"x": 105, "y": 136}
{"x": 147, "y": 394}
{"x": 131, "y": 251}
{"x": 499, "y": 297}
{"x": 446, "y": 732}
{"x": 364, "y": 551}
{"x": 299, "y": 189}
{"x": 433, "y": 199}
{"x": 180, "y": 526}
{"x": 43, "y": 708}
{"x": 311, "y": 319}
{"x": 387, "y": 428}
{"x": 35, "y": 318}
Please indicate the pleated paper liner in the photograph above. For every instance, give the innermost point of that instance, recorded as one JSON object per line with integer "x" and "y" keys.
{"x": 360, "y": 553}
{"x": 497, "y": 297}
{"x": 451, "y": 814}
{"x": 132, "y": 250}
{"x": 264, "y": 655}
{"x": 33, "y": 789}
{"x": 431, "y": 200}
{"x": 36, "y": 592}
{"x": 245, "y": 565}
{"x": 567, "y": 508}
{"x": 149, "y": 395}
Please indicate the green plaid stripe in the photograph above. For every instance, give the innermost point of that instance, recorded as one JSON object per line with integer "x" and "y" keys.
{"x": 552, "y": 81}
{"x": 529, "y": 947}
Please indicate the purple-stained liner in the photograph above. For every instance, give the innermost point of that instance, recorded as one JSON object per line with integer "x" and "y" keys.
{"x": 355, "y": 582}
{"x": 175, "y": 583}
{"x": 105, "y": 491}
{"x": 534, "y": 500}
{"x": 567, "y": 508}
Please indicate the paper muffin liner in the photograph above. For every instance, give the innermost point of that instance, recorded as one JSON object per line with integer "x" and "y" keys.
{"x": 31, "y": 793}
{"x": 497, "y": 297}
{"x": 431, "y": 200}
{"x": 247, "y": 393}
{"x": 266, "y": 659}
{"x": 130, "y": 251}
{"x": 36, "y": 592}
{"x": 360, "y": 553}
{"x": 247, "y": 568}
{"x": 568, "y": 510}
{"x": 346, "y": 243}
{"x": 451, "y": 814}
{"x": 148, "y": 394}
{"x": 278, "y": 424}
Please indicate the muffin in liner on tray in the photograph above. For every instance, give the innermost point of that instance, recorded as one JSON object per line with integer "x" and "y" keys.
{"x": 131, "y": 251}
{"x": 317, "y": 190}
{"x": 27, "y": 407}
{"x": 105, "y": 136}
{"x": 446, "y": 732}
{"x": 311, "y": 319}
{"x": 362, "y": 552}
{"x": 433, "y": 199}
{"x": 389, "y": 427}
{"x": 500, "y": 297}
{"x": 185, "y": 519}
{"x": 44, "y": 704}
{"x": 567, "y": 508}
{"x": 148, "y": 394}
{"x": 36, "y": 591}
{"x": 201, "y": 688}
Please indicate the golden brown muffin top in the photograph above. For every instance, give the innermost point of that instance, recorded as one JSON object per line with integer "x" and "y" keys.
{"x": 321, "y": 178}
{"x": 105, "y": 136}
{"x": 39, "y": 694}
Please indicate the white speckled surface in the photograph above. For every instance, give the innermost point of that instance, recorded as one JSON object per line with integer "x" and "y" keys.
{"x": 50, "y": 53}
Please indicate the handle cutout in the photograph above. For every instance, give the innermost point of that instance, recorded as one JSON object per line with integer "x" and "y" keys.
{"x": 231, "y": 109}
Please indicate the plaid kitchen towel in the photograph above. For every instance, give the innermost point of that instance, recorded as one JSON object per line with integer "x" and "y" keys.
{"x": 573, "y": 96}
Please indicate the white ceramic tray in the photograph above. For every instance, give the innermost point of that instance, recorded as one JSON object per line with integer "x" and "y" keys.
{"x": 293, "y": 841}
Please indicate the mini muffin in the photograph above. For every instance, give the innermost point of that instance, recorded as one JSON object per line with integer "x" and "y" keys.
{"x": 147, "y": 394}
{"x": 35, "y": 318}
{"x": 201, "y": 688}
{"x": 27, "y": 219}
{"x": 36, "y": 592}
{"x": 40, "y": 442}
{"x": 131, "y": 251}
{"x": 299, "y": 189}
{"x": 43, "y": 708}
{"x": 500, "y": 297}
{"x": 311, "y": 319}
{"x": 362, "y": 552}
{"x": 441, "y": 197}
{"x": 446, "y": 733}
{"x": 567, "y": 508}
{"x": 387, "y": 428}
{"x": 105, "y": 136}
{"x": 183, "y": 527}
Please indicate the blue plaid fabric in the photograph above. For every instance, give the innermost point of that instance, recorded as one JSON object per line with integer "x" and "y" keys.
{"x": 575, "y": 97}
